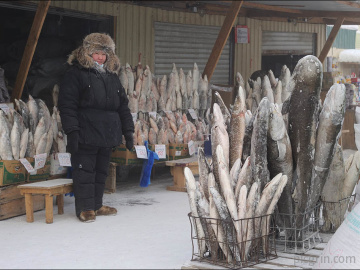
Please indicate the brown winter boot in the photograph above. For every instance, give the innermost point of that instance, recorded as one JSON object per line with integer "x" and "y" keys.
{"x": 106, "y": 211}
{"x": 87, "y": 216}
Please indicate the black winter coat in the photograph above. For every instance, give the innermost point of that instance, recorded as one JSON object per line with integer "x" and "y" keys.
{"x": 96, "y": 105}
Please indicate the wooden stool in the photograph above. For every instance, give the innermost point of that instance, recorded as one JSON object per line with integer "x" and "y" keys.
{"x": 50, "y": 188}
{"x": 177, "y": 171}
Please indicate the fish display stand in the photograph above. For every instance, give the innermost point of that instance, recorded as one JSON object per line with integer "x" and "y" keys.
{"x": 177, "y": 171}
{"x": 250, "y": 252}
{"x": 308, "y": 233}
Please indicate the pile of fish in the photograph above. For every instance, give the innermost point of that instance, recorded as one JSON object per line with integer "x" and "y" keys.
{"x": 276, "y": 129}
{"x": 176, "y": 92}
{"x": 172, "y": 127}
{"x": 4, "y": 92}
{"x": 29, "y": 129}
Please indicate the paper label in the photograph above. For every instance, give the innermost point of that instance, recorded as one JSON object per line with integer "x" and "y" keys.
{"x": 177, "y": 153}
{"x": 26, "y": 164}
{"x": 134, "y": 116}
{"x": 5, "y": 108}
{"x": 192, "y": 114}
{"x": 191, "y": 147}
{"x": 40, "y": 161}
{"x": 141, "y": 151}
{"x": 64, "y": 159}
{"x": 160, "y": 150}
{"x": 153, "y": 114}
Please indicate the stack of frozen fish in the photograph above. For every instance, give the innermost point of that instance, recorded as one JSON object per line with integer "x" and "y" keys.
{"x": 171, "y": 128}
{"x": 30, "y": 129}
{"x": 175, "y": 92}
{"x": 274, "y": 150}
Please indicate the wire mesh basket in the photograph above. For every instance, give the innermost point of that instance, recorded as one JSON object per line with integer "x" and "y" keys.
{"x": 333, "y": 213}
{"x": 233, "y": 244}
{"x": 297, "y": 233}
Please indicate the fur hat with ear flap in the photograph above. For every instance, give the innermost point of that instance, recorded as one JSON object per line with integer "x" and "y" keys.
{"x": 92, "y": 43}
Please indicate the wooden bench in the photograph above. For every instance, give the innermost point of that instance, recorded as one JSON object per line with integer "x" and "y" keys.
{"x": 177, "y": 171}
{"x": 49, "y": 188}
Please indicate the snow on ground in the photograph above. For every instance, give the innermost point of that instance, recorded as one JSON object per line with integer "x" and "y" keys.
{"x": 150, "y": 231}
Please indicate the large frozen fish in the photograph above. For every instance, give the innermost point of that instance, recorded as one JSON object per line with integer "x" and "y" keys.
{"x": 277, "y": 93}
{"x": 163, "y": 86}
{"x": 259, "y": 162}
{"x": 24, "y": 143}
{"x": 272, "y": 79}
{"x": 251, "y": 204}
{"x": 138, "y": 85}
{"x": 256, "y": 95}
{"x": 241, "y": 205}
{"x": 224, "y": 109}
{"x": 30, "y": 149}
{"x": 33, "y": 108}
{"x": 215, "y": 217}
{"x": 124, "y": 78}
{"x": 244, "y": 178}
{"x": 237, "y": 127}
{"x": 247, "y": 138}
{"x": 15, "y": 141}
{"x": 189, "y": 88}
{"x": 306, "y": 82}
{"x": 285, "y": 77}
{"x": 227, "y": 222}
{"x": 49, "y": 141}
{"x": 328, "y": 131}
{"x": 266, "y": 89}
{"x": 191, "y": 191}
{"x": 40, "y": 130}
{"x": 204, "y": 170}
{"x": 234, "y": 173}
{"x": 332, "y": 191}
{"x": 44, "y": 112}
{"x": 61, "y": 142}
{"x": 130, "y": 78}
{"x": 280, "y": 161}
{"x": 41, "y": 146}
{"x": 352, "y": 174}
{"x": 219, "y": 136}
{"x": 5, "y": 146}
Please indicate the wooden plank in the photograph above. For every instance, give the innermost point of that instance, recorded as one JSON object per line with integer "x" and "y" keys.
{"x": 9, "y": 193}
{"x": 349, "y": 3}
{"x": 47, "y": 184}
{"x": 272, "y": 8}
{"x": 251, "y": 13}
{"x": 331, "y": 38}
{"x": 16, "y": 207}
{"x": 29, "y": 50}
{"x": 182, "y": 162}
{"x": 222, "y": 38}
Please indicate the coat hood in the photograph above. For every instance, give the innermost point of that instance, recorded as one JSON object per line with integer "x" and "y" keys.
{"x": 92, "y": 43}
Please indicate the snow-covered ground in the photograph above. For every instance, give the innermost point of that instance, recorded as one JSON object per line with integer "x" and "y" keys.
{"x": 151, "y": 230}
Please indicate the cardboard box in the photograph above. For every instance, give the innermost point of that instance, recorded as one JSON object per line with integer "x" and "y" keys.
{"x": 123, "y": 156}
{"x": 41, "y": 174}
{"x": 11, "y": 172}
{"x": 55, "y": 168}
{"x": 178, "y": 151}
{"x": 152, "y": 148}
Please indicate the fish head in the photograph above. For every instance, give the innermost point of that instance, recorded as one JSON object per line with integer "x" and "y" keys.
{"x": 307, "y": 69}
{"x": 335, "y": 99}
{"x": 276, "y": 123}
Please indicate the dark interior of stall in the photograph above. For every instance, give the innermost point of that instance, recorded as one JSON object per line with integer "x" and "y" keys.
{"x": 61, "y": 33}
{"x": 276, "y": 62}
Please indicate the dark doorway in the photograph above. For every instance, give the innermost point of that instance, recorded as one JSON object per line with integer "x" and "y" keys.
{"x": 276, "y": 62}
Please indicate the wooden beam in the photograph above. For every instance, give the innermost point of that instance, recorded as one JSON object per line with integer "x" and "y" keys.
{"x": 330, "y": 39}
{"x": 304, "y": 13}
{"x": 270, "y": 7}
{"x": 222, "y": 38}
{"x": 349, "y": 3}
{"x": 29, "y": 50}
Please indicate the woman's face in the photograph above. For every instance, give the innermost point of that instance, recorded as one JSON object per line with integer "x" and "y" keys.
{"x": 99, "y": 57}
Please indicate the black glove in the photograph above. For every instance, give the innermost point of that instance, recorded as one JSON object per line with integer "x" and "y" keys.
{"x": 72, "y": 142}
{"x": 129, "y": 141}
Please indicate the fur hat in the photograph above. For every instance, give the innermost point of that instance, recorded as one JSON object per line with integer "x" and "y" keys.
{"x": 92, "y": 43}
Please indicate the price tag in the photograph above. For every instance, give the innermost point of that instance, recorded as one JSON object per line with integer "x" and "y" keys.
{"x": 40, "y": 161}
{"x": 193, "y": 114}
{"x": 177, "y": 153}
{"x": 160, "y": 150}
{"x": 191, "y": 147}
{"x": 5, "y": 108}
{"x": 134, "y": 116}
{"x": 64, "y": 159}
{"x": 153, "y": 114}
{"x": 141, "y": 151}
{"x": 26, "y": 164}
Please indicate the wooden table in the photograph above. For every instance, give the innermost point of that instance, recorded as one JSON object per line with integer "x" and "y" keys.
{"x": 177, "y": 171}
{"x": 49, "y": 188}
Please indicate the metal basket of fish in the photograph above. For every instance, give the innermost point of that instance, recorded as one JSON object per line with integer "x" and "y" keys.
{"x": 333, "y": 213}
{"x": 297, "y": 233}
{"x": 233, "y": 244}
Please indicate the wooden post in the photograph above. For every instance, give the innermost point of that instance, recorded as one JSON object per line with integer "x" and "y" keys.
{"x": 330, "y": 39}
{"x": 222, "y": 38}
{"x": 29, "y": 50}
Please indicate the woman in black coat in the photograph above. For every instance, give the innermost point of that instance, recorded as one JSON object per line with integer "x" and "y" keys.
{"x": 94, "y": 114}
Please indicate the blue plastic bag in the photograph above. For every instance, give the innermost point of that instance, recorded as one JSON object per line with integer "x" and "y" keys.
{"x": 147, "y": 166}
